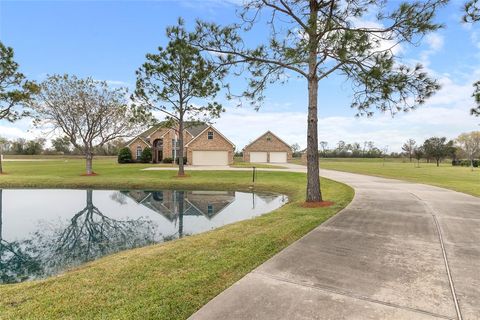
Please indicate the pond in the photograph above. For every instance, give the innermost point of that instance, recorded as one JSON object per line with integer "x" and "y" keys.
{"x": 44, "y": 232}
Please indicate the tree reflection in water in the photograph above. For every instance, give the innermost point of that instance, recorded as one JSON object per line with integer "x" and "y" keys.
{"x": 90, "y": 234}
{"x": 16, "y": 263}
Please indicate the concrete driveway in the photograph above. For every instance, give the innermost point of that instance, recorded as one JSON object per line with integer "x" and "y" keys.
{"x": 398, "y": 251}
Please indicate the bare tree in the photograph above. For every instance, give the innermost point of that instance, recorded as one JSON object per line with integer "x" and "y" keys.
{"x": 409, "y": 147}
{"x": 418, "y": 153}
{"x": 87, "y": 111}
{"x": 16, "y": 263}
{"x": 90, "y": 234}
{"x": 470, "y": 143}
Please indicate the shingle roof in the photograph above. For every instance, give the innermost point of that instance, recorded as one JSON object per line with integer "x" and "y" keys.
{"x": 194, "y": 128}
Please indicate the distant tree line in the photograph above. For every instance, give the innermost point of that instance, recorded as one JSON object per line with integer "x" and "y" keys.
{"x": 462, "y": 151}
{"x": 342, "y": 149}
{"x": 465, "y": 146}
{"x": 59, "y": 146}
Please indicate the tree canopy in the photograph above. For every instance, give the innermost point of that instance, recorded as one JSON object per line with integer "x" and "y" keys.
{"x": 176, "y": 81}
{"x": 470, "y": 144}
{"x": 15, "y": 90}
{"x": 88, "y": 112}
{"x": 317, "y": 38}
{"x": 437, "y": 148}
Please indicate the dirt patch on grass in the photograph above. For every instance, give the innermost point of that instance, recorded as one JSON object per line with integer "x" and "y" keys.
{"x": 93, "y": 174}
{"x": 318, "y": 204}
{"x": 181, "y": 177}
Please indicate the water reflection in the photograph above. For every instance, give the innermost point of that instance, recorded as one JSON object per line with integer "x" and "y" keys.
{"x": 174, "y": 205}
{"x": 15, "y": 263}
{"x": 40, "y": 238}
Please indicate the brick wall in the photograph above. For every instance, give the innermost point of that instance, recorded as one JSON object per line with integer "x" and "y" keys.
{"x": 267, "y": 143}
{"x": 133, "y": 147}
{"x": 168, "y": 136}
{"x": 218, "y": 143}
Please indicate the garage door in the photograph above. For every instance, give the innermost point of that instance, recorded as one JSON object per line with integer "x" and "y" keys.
{"x": 210, "y": 158}
{"x": 258, "y": 157}
{"x": 278, "y": 157}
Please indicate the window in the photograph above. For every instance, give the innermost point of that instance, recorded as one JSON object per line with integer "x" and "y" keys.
{"x": 210, "y": 209}
{"x": 139, "y": 152}
{"x": 159, "y": 144}
{"x": 210, "y": 135}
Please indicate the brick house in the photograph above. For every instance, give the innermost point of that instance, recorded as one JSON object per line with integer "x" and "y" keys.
{"x": 304, "y": 156}
{"x": 203, "y": 145}
{"x": 268, "y": 148}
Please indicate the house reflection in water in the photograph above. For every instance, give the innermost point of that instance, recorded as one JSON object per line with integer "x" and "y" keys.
{"x": 174, "y": 205}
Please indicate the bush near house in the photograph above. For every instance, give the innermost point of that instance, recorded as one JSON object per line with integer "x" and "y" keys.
{"x": 146, "y": 156}
{"x": 178, "y": 160}
{"x": 167, "y": 160}
{"x": 125, "y": 155}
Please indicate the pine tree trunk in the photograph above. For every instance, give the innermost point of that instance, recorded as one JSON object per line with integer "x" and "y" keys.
{"x": 1, "y": 196}
{"x": 89, "y": 160}
{"x": 181, "y": 167}
{"x": 313, "y": 171}
{"x": 1, "y": 165}
{"x": 181, "y": 209}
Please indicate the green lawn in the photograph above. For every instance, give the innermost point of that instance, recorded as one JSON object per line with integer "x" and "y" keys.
{"x": 456, "y": 178}
{"x": 239, "y": 163}
{"x": 166, "y": 281}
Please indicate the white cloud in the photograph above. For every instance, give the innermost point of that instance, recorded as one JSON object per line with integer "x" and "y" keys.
{"x": 21, "y": 129}
{"x": 435, "y": 41}
{"x": 445, "y": 114}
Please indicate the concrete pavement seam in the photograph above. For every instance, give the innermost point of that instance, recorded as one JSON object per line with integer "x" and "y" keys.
{"x": 349, "y": 294}
{"x": 445, "y": 257}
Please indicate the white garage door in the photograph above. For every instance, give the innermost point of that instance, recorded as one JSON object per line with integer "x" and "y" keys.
{"x": 210, "y": 158}
{"x": 258, "y": 157}
{"x": 278, "y": 157}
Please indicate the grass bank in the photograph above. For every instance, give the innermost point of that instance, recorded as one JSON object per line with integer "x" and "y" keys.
{"x": 165, "y": 281}
{"x": 461, "y": 179}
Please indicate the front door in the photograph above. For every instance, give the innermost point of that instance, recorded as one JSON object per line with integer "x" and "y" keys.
{"x": 158, "y": 150}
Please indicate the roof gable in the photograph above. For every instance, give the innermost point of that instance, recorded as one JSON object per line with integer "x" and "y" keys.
{"x": 214, "y": 129}
{"x": 265, "y": 134}
{"x": 137, "y": 138}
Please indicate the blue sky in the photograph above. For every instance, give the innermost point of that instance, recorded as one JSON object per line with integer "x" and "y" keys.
{"x": 108, "y": 40}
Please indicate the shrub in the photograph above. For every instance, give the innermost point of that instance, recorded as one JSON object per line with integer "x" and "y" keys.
{"x": 465, "y": 163}
{"x": 124, "y": 155}
{"x": 167, "y": 160}
{"x": 146, "y": 155}
{"x": 456, "y": 162}
{"x": 177, "y": 161}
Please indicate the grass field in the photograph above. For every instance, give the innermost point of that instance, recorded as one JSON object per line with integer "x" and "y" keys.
{"x": 166, "y": 281}
{"x": 460, "y": 179}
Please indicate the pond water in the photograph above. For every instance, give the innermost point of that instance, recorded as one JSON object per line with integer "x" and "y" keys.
{"x": 44, "y": 231}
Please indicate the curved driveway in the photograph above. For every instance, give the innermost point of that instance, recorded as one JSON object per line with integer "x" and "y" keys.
{"x": 399, "y": 251}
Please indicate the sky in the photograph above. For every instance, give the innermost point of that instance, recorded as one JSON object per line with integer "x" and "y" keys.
{"x": 108, "y": 40}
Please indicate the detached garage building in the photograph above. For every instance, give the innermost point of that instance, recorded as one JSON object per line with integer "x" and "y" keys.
{"x": 268, "y": 148}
